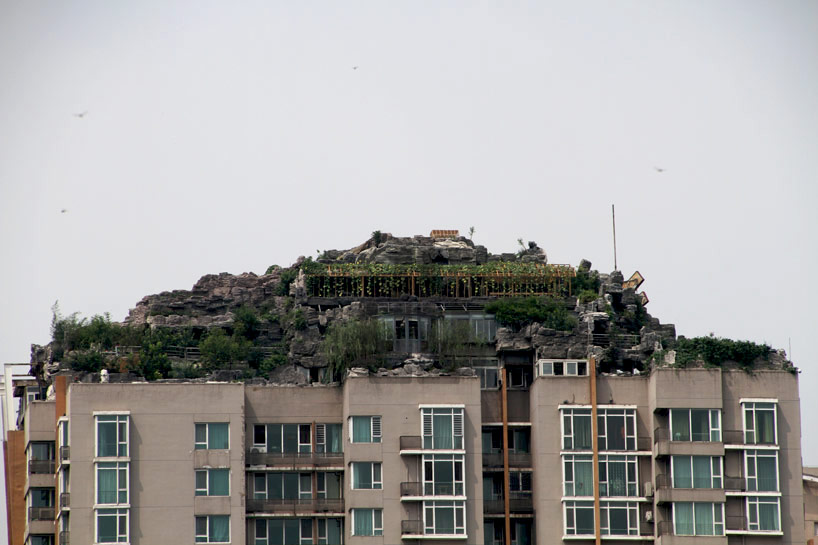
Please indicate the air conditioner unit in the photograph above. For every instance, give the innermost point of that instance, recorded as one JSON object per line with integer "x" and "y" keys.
{"x": 648, "y": 516}
{"x": 648, "y": 490}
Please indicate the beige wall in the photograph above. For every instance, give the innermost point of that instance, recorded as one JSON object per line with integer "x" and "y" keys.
{"x": 397, "y": 401}
{"x": 161, "y": 440}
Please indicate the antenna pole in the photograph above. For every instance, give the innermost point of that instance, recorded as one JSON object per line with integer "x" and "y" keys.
{"x": 613, "y": 217}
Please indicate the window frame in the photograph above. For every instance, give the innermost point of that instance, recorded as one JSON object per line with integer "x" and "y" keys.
{"x": 572, "y": 506}
{"x": 375, "y": 483}
{"x": 459, "y": 508}
{"x": 377, "y": 520}
{"x": 716, "y": 523}
{"x": 632, "y": 509}
{"x": 751, "y": 461}
{"x": 427, "y": 425}
{"x": 714, "y": 430}
{"x": 631, "y": 485}
{"x": 751, "y": 408}
{"x": 198, "y": 491}
{"x": 122, "y": 444}
{"x": 716, "y": 462}
{"x": 430, "y": 486}
{"x": 119, "y": 513}
{"x": 629, "y": 415}
{"x": 375, "y": 429}
{"x": 572, "y": 460}
{"x": 570, "y": 415}
{"x": 119, "y": 468}
{"x": 756, "y": 501}
{"x": 205, "y": 537}
{"x": 205, "y": 445}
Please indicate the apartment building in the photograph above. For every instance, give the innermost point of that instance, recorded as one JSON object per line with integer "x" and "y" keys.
{"x": 701, "y": 456}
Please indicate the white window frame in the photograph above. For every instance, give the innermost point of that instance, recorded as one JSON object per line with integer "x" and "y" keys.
{"x": 457, "y": 484}
{"x": 120, "y": 417}
{"x": 602, "y": 429}
{"x": 716, "y": 472}
{"x": 753, "y": 502}
{"x": 713, "y": 421}
{"x": 568, "y": 440}
{"x": 459, "y": 507}
{"x": 375, "y": 469}
{"x": 573, "y": 506}
{"x": 206, "y": 490}
{"x": 546, "y": 367}
{"x": 572, "y": 460}
{"x": 206, "y": 535}
{"x": 196, "y": 444}
{"x": 750, "y": 406}
{"x": 605, "y": 519}
{"x": 374, "y": 428}
{"x": 717, "y": 513}
{"x": 630, "y": 462}
{"x": 321, "y": 437}
{"x": 119, "y": 512}
{"x": 377, "y": 520}
{"x": 751, "y": 463}
{"x": 119, "y": 467}
{"x": 427, "y": 424}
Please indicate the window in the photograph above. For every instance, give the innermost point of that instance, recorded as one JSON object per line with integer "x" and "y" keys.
{"x": 521, "y": 533}
{"x": 289, "y": 531}
{"x": 212, "y": 482}
{"x": 444, "y": 517}
{"x": 112, "y": 435}
{"x": 366, "y": 475}
{"x": 696, "y": 471}
{"x": 492, "y": 486}
{"x": 617, "y": 476}
{"x": 617, "y": 429}
{"x": 367, "y": 522}
{"x": 619, "y": 518}
{"x": 576, "y": 429}
{"x": 762, "y": 470}
{"x": 442, "y": 428}
{"x": 519, "y": 483}
{"x": 41, "y": 540}
{"x": 698, "y": 519}
{"x": 213, "y": 435}
{"x": 763, "y": 514}
{"x": 443, "y": 475}
{"x": 562, "y": 367}
{"x": 695, "y": 425}
{"x": 519, "y": 440}
{"x": 328, "y": 484}
{"x": 328, "y": 438}
{"x": 519, "y": 376}
{"x": 213, "y": 529}
{"x": 578, "y": 475}
{"x": 283, "y": 438}
{"x": 41, "y": 497}
{"x": 112, "y": 483}
{"x": 579, "y": 518}
{"x": 365, "y": 429}
{"x": 759, "y": 423}
{"x": 282, "y": 486}
{"x": 112, "y": 526}
{"x": 330, "y": 531}
{"x": 488, "y": 377}
{"x": 41, "y": 450}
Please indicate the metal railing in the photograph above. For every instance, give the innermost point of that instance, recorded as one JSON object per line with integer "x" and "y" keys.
{"x": 41, "y": 466}
{"x": 619, "y": 341}
{"x": 411, "y": 489}
{"x": 411, "y": 442}
{"x": 738, "y": 437}
{"x": 295, "y": 458}
{"x": 411, "y": 527}
{"x": 518, "y": 502}
{"x": 665, "y": 528}
{"x": 40, "y": 513}
{"x": 318, "y": 505}
{"x": 515, "y": 459}
{"x": 65, "y": 453}
{"x": 735, "y": 483}
{"x": 663, "y": 481}
{"x": 663, "y": 434}
{"x": 734, "y": 522}
{"x": 65, "y": 499}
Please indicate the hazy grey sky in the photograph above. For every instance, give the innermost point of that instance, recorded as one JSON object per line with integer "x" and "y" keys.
{"x": 227, "y": 137}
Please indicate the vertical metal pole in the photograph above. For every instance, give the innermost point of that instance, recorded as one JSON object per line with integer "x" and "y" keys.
{"x": 613, "y": 217}
{"x": 595, "y": 446}
{"x": 506, "y": 477}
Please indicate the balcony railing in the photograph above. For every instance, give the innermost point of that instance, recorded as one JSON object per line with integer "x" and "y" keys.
{"x": 411, "y": 527}
{"x": 295, "y": 458}
{"x": 64, "y": 538}
{"x": 735, "y": 484}
{"x": 738, "y": 437}
{"x": 665, "y": 528}
{"x": 519, "y": 502}
{"x": 65, "y": 453}
{"x": 663, "y": 481}
{"x": 40, "y": 513}
{"x": 411, "y": 442}
{"x": 663, "y": 434}
{"x": 515, "y": 459}
{"x": 65, "y": 499}
{"x": 41, "y": 466}
{"x": 317, "y": 505}
{"x": 411, "y": 489}
{"x": 736, "y": 523}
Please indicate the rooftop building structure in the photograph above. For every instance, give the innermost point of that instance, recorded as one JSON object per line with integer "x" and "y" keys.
{"x": 425, "y": 392}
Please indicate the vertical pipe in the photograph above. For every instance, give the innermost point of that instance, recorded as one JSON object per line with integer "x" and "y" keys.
{"x": 506, "y": 477}
{"x": 595, "y": 446}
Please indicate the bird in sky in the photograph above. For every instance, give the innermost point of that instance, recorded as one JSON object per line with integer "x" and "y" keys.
{"x": 63, "y": 211}
{"x": 354, "y": 67}
{"x": 81, "y": 114}
{"x": 659, "y": 170}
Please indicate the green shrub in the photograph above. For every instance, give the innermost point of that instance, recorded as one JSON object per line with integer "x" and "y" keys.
{"x": 246, "y": 322}
{"x": 153, "y": 363}
{"x": 451, "y": 338}
{"x": 518, "y": 312}
{"x": 219, "y": 351}
{"x": 352, "y": 341}
{"x": 716, "y": 351}
{"x": 585, "y": 281}
{"x": 271, "y": 362}
{"x": 286, "y": 278}
{"x": 296, "y": 320}
{"x": 89, "y": 361}
{"x": 586, "y": 296}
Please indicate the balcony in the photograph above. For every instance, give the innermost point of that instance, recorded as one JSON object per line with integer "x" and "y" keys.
{"x": 410, "y": 443}
{"x": 41, "y": 513}
{"x": 515, "y": 460}
{"x": 65, "y": 454}
{"x": 699, "y": 446}
{"x": 411, "y": 527}
{"x": 41, "y": 467}
{"x": 519, "y": 502}
{"x": 411, "y": 489}
{"x": 65, "y": 499}
{"x": 318, "y": 505}
{"x": 737, "y": 437}
{"x": 64, "y": 538}
{"x": 419, "y": 489}
{"x": 738, "y": 525}
{"x": 735, "y": 484}
{"x": 320, "y": 459}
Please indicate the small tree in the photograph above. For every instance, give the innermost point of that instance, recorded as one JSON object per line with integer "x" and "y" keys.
{"x": 218, "y": 350}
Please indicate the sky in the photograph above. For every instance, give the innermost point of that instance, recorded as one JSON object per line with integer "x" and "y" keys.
{"x": 145, "y": 144}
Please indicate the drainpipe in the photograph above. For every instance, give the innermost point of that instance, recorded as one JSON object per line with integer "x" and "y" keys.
{"x": 595, "y": 446}
{"x": 506, "y": 477}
